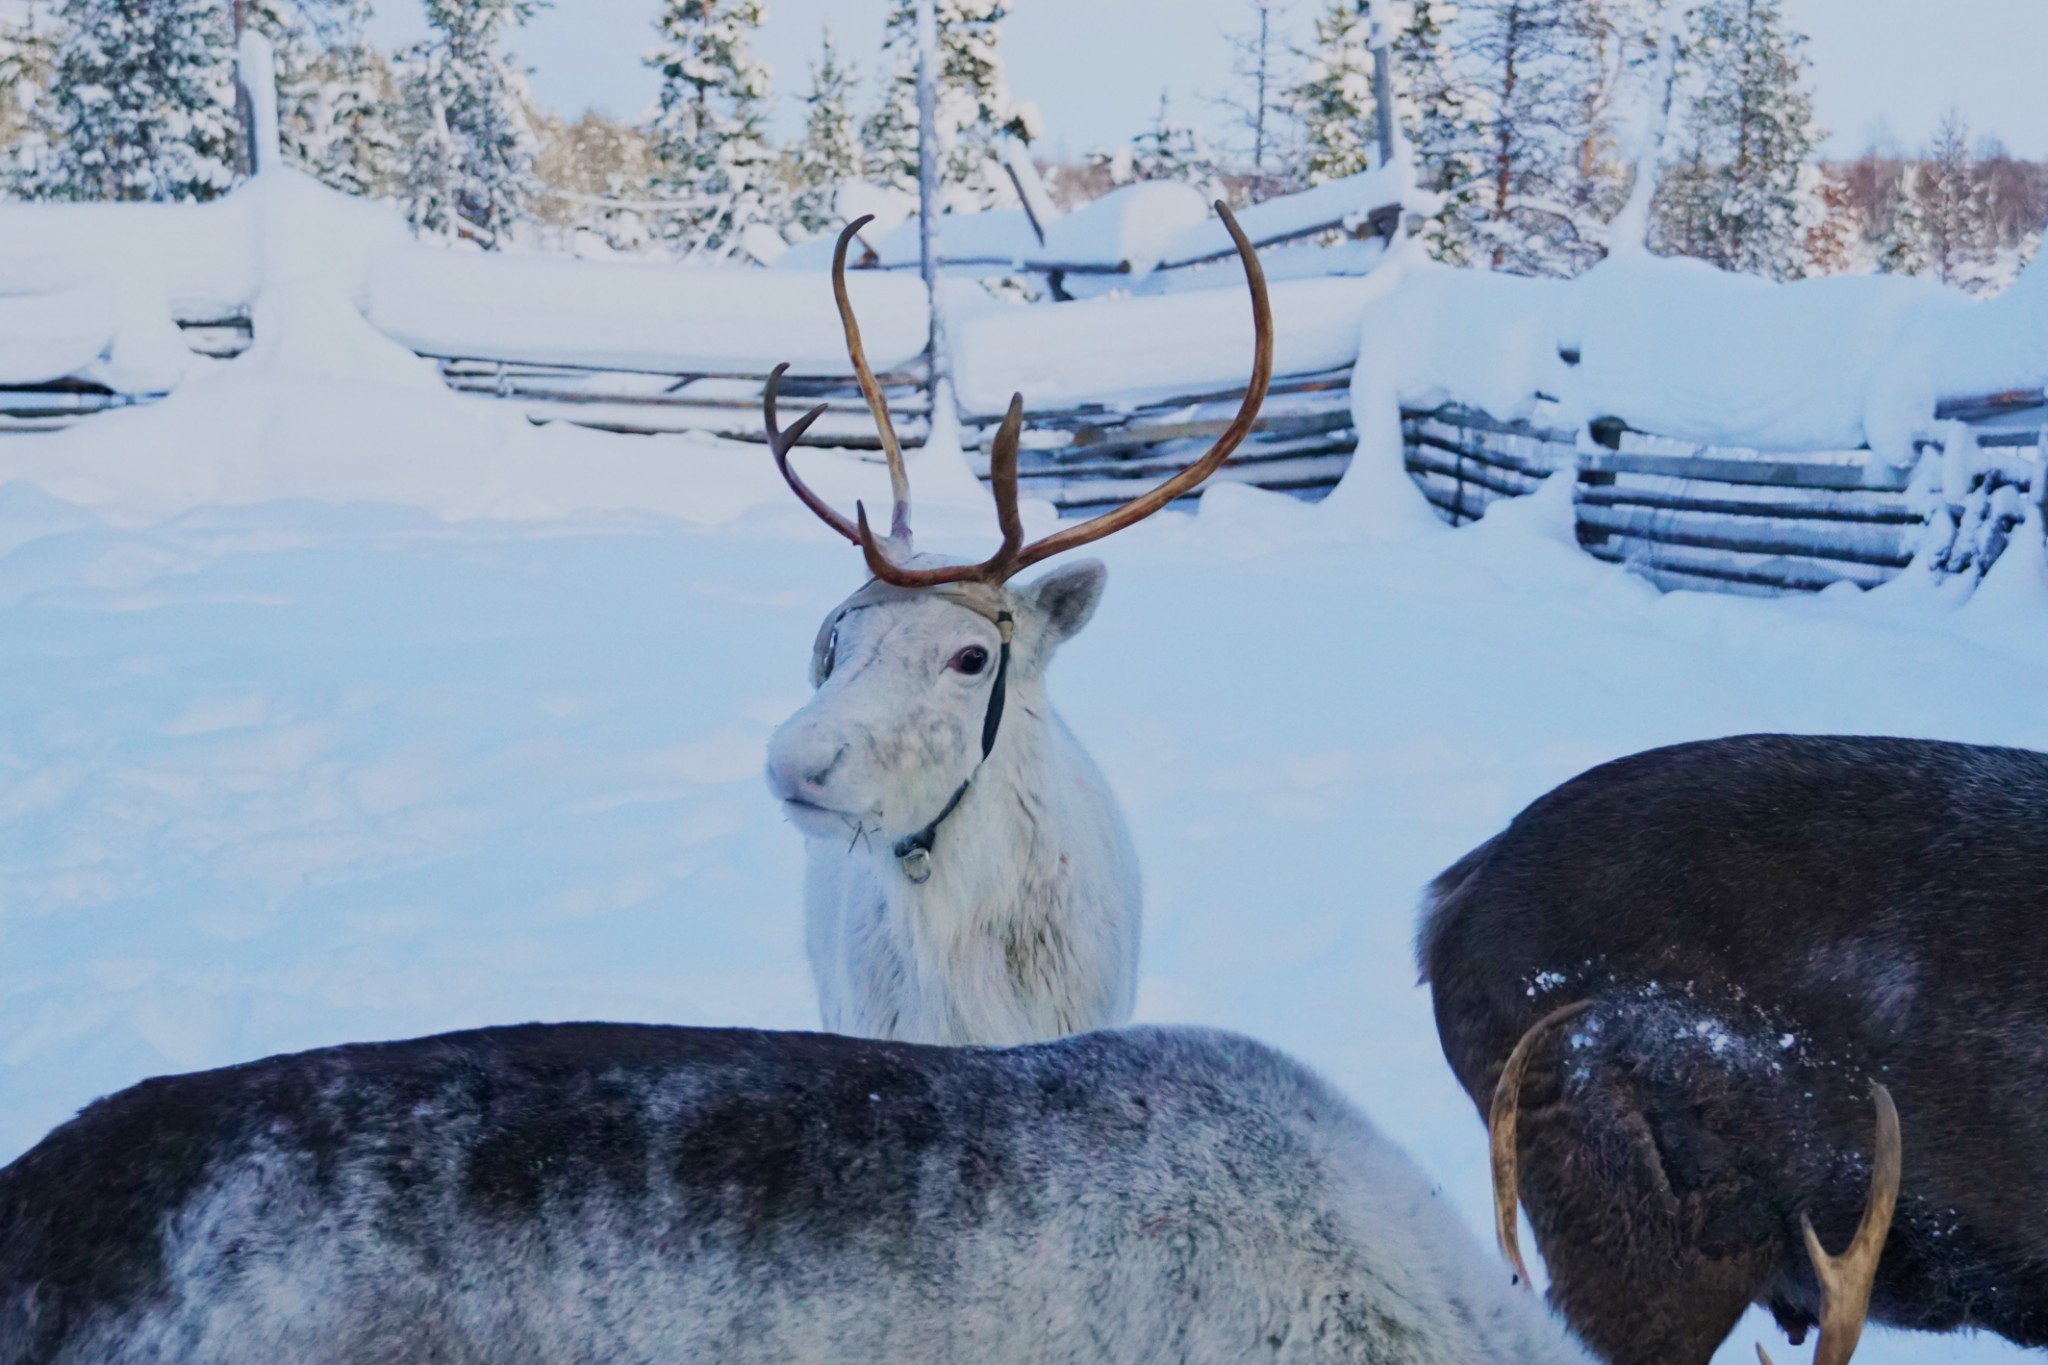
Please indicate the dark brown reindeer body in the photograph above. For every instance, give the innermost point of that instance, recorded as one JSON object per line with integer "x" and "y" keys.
{"x": 1760, "y": 928}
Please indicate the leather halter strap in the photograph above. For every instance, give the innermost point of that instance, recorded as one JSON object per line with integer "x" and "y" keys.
{"x": 914, "y": 851}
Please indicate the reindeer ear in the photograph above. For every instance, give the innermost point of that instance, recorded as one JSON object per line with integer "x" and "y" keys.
{"x": 1065, "y": 598}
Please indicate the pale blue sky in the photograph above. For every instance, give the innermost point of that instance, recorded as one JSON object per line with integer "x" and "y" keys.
{"x": 1095, "y": 67}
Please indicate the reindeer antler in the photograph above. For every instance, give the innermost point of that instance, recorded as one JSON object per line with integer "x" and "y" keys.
{"x": 1503, "y": 1120}
{"x": 781, "y": 443}
{"x": 1012, "y": 555}
{"x": 1846, "y": 1280}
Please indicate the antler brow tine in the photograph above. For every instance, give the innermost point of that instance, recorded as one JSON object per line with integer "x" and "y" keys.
{"x": 780, "y": 443}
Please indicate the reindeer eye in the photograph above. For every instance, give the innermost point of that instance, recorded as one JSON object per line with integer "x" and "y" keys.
{"x": 970, "y": 660}
{"x": 831, "y": 654}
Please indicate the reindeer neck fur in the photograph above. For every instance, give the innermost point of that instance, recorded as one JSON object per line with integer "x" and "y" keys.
{"x": 1017, "y": 935}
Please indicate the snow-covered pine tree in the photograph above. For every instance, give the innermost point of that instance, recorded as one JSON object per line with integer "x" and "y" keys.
{"x": 1258, "y": 102}
{"x": 335, "y": 98}
{"x": 356, "y": 146}
{"x": 1526, "y": 66}
{"x": 1951, "y": 211}
{"x": 830, "y": 153}
{"x": 710, "y": 140}
{"x": 1902, "y": 243}
{"x": 1170, "y": 150}
{"x": 1433, "y": 103}
{"x": 469, "y": 149}
{"x": 1832, "y": 243}
{"x": 1333, "y": 98}
{"x": 975, "y": 106}
{"x": 1732, "y": 195}
{"x": 140, "y": 104}
{"x": 27, "y": 54}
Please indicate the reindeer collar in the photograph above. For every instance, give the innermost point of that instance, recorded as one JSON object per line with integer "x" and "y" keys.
{"x": 914, "y": 851}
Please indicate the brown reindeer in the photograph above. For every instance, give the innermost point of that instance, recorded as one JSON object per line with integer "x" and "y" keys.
{"x": 1749, "y": 933}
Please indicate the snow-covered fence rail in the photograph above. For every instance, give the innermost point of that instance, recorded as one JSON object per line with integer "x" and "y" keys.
{"x": 1688, "y": 515}
{"x": 1089, "y": 456}
{"x": 1736, "y": 521}
{"x": 644, "y": 402}
{"x": 650, "y": 348}
{"x": 1121, "y": 391}
{"x": 1130, "y": 233}
{"x": 1462, "y": 459}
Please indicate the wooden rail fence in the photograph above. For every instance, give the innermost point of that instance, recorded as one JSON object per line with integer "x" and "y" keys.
{"x": 1682, "y": 514}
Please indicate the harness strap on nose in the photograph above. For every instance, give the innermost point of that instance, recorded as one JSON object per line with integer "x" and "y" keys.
{"x": 914, "y": 851}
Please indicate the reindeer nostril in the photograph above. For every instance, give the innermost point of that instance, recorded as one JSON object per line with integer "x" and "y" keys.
{"x": 819, "y": 778}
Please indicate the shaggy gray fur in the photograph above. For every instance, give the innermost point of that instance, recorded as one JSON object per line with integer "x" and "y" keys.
{"x": 621, "y": 1195}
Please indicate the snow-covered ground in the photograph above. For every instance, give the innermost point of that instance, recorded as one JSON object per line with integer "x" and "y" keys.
{"x": 347, "y": 708}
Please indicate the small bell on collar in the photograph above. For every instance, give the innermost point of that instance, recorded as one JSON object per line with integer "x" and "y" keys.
{"x": 917, "y": 865}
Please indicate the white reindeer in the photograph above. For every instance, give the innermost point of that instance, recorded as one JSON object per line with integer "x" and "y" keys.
{"x": 970, "y": 877}
{"x": 617, "y": 1194}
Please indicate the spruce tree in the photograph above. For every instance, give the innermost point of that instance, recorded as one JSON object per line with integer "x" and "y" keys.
{"x": 355, "y": 145}
{"x": 830, "y": 153}
{"x": 1948, "y": 194}
{"x": 975, "y": 106}
{"x": 140, "y": 104}
{"x": 1170, "y": 150}
{"x": 469, "y": 149}
{"x": 335, "y": 100}
{"x": 1526, "y": 66}
{"x": 710, "y": 141}
{"x": 1733, "y": 196}
{"x": 27, "y": 54}
{"x": 1333, "y": 99}
{"x": 1432, "y": 101}
{"x": 1902, "y": 244}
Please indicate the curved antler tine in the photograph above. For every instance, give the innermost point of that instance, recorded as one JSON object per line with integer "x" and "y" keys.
{"x": 1846, "y": 1279}
{"x": 1503, "y": 1119}
{"x": 899, "y": 477}
{"x": 1002, "y": 477}
{"x": 780, "y": 443}
{"x": 1190, "y": 478}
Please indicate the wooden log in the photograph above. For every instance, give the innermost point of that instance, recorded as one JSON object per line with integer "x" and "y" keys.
{"x": 1094, "y": 439}
{"x": 1880, "y": 511}
{"x": 1498, "y": 459}
{"x": 1251, "y": 453}
{"x": 1779, "y": 473}
{"x": 1458, "y": 415}
{"x": 666, "y": 400}
{"x": 1744, "y": 536}
{"x": 1478, "y": 472}
{"x": 1784, "y": 572}
{"x": 1318, "y": 381}
{"x": 1978, "y": 407}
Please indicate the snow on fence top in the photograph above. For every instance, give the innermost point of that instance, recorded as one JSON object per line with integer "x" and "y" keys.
{"x": 1679, "y": 348}
{"x": 1132, "y": 230}
{"x": 1125, "y": 349}
{"x": 610, "y": 315}
{"x": 1293, "y": 215}
{"x": 48, "y": 333}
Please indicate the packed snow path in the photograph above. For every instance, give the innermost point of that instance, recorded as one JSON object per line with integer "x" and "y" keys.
{"x": 299, "y": 773}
